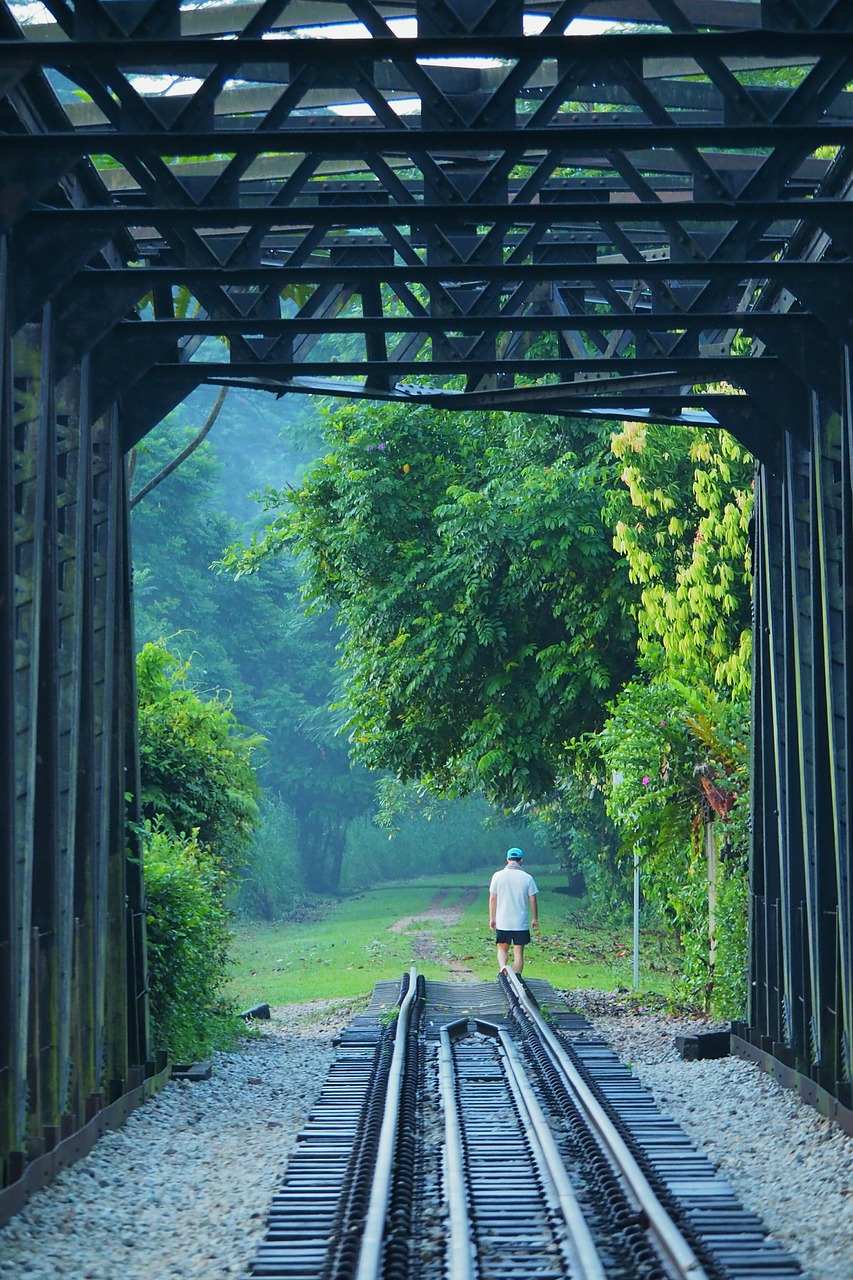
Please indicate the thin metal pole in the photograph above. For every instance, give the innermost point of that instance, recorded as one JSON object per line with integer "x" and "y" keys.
{"x": 636, "y": 918}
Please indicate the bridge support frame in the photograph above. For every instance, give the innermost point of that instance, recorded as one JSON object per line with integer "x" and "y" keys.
{"x": 801, "y": 892}
{"x": 72, "y": 924}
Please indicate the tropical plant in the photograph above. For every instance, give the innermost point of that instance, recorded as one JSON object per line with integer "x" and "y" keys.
{"x": 485, "y": 617}
{"x": 675, "y": 746}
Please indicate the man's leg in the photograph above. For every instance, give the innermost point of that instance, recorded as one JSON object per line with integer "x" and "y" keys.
{"x": 518, "y": 956}
{"x": 503, "y": 955}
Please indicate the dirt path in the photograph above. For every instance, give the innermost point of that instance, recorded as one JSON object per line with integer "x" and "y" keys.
{"x": 425, "y": 945}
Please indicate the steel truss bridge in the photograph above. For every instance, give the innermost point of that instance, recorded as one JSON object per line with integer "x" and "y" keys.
{"x": 625, "y": 208}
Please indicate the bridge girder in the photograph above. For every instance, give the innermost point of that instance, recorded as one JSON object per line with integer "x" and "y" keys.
{"x": 472, "y": 205}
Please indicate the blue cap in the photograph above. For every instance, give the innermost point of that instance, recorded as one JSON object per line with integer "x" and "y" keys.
{"x": 513, "y": 855}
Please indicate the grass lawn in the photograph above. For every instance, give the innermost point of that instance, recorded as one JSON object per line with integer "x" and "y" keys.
{"x": 352, "y": 947}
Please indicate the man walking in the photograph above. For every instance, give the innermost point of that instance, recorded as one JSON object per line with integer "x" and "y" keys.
{"x": 512, "y": 898}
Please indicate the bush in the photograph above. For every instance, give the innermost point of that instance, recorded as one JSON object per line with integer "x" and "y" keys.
{"x": 188, "y": 941}
{"x": 195, "y": 761}
{"x": 677, "y": 757}
{"x": 199, "y": 805}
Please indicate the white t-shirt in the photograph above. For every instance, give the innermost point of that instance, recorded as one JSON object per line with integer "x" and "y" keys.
{"x": 513, "y": 888}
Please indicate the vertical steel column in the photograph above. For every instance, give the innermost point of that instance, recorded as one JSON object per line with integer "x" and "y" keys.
{"x": 11, "y": 1018}
{"x": 82, "y": 813}
{"x": 801, "y": 892}
{"x": 842, "y": 729}
{"x": 96, "y": 892}
{"x": 814, "y": 801}
{"x": 43, "y": 782}
{"x": 770, "y": 726}
{"x": 73, "y": 463}
{"x": 138, "y": 1027}
{"x": 764, "y": 826}
{"x": 795, "y": 716}
{"x": 113, "y": 823}
{"x": 29, "y": 498}
{"x": 832, "y": 762}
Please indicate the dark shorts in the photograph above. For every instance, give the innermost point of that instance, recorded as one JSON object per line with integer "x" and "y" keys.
{"x": 521, "y": 936}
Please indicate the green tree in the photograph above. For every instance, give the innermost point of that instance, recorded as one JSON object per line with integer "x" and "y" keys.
{"x": 675, "y": 746}
{"x": 576, "y": 822}
{"x": 250, "y": 638}
{"x": 482, "y": 606}
{"x": 681, "y": 519}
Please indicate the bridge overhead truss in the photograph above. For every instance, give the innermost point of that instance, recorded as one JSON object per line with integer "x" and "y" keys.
{"x": 625, "y": 208}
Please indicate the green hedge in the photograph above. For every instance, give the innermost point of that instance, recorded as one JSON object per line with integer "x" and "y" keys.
{"x": 188, "y": 942}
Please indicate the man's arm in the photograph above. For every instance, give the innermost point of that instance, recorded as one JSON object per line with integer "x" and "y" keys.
{"x": 534, "y": 911}
{"x": 493, "y": 906}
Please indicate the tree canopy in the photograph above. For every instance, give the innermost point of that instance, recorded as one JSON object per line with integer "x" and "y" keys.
{"x": 486, "y": 618}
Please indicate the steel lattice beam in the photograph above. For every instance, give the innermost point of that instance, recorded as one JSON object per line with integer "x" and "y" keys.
{"x": 451, "y": 203}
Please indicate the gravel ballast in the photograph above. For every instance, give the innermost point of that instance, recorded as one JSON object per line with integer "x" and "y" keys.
{"x": 791, "y": 1166}
{"x": 182, "y": 1190}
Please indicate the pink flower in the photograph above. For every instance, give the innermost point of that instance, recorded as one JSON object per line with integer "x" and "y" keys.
{"x": 663, "y": 722}
{"x": 646, "y": 780}
{"x": 380, "y": 446}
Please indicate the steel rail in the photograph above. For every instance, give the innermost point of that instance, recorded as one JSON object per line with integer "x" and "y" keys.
{"x": 665, "y": 1234}
{"x": 460, "y": 1245}
{"x": 370, "y": 1254}
{"x": 580, "y": 1245}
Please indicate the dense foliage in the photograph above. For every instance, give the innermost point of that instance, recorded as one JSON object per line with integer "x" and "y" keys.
{"x": 485, "y": 614}
{"x": 251, "y": 639}
{"x": 199, "y": 802}
{"x": 681, "y": 519}
{"x": 196, "y": 764}
{"x": 534, "y": 609}
{"x": 675, "y": 747}
{"x": 529, "y": 609}
{"x": 188, "y": 941}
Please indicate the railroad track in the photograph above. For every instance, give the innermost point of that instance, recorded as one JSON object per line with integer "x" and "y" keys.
{"x": 464, "y": 1134}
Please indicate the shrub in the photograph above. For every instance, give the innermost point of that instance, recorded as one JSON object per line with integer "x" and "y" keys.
{"x": 678, "y": 757}
{"x": 199, "y": 805}
{"x": 195, "y": 761}
{"x": 188, "y": 941}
